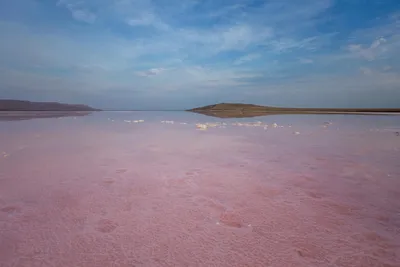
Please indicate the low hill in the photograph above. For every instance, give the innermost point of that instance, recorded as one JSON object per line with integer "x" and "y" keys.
{"x": 20, "y": 105}
{"x": 238, "y": 110}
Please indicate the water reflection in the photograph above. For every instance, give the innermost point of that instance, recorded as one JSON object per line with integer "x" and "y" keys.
{"x": 29, "y": 115}
{"x": 252, "y": 114}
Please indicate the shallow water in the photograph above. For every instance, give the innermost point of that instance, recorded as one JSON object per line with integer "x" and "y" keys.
{"x": 102, "y": 190}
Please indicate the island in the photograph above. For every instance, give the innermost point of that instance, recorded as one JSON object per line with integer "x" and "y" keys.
{"x": 240, "y": 110}
{"x": 22, "y": 110}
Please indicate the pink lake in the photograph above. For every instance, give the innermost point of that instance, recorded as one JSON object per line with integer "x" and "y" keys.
{"x": 102, "y": 190}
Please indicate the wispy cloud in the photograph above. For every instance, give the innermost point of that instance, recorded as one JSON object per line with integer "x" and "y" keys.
{"x": 247, "y": 58}
{"x": 78, "y": 13}
{"x": 365, "y": 70}
{"x": 229, "y": 38}
{"x": 306, "y": 61}
{"x": 371, "y": 52}
{"x": 83, "y": 15}
{"x": 148, "y": 19}
{"x": 387, "y": 68}
{"x": 308, "y": 44}
{"x": 151, "y": 72}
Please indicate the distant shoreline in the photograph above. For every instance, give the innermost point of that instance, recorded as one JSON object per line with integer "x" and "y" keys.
{"x": 237, "y": 107}
{"x": 223, "y": 109}
{"x": 28, "y": 115}
{"x": 11, "y": 105}
{"x": 238, "y": 110}
{"x": 311, "y": 112}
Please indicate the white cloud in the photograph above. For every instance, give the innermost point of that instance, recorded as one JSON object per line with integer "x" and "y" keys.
{"x": 387, "y": 68}
{"x": 247, "y": 58}
{"x": 377, "y": 43}
{"x": 83, "y": 15}
{"x": 283, "y": 45}
{"x": 240, "y": 37}
{"x": 78, "y": 13}
{"x": 148, "y": 19}
{"x": 370, "y": 53}
{"x": 306, "y": 61}
{"x": 365, "y": 70}
{"x": 231, "y": 38}
{"x": 151, "y": 72}
{"x": 191, "y": 78}
{"x": 225, "y": 10}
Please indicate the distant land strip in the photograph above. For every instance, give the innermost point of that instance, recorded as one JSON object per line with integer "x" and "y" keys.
{"x": 222, "y": 110}
{"x": 237, "y": 110}
{"x": 21, "y": 105}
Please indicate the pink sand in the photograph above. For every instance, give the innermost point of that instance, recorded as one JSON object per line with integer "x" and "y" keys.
{"x": 90, "y": 192}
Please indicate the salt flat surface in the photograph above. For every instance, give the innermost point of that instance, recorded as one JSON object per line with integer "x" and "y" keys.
{"x": 155, "y": 189}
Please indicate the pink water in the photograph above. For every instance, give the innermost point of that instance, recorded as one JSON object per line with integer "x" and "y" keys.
{"x": 100, "y": 191}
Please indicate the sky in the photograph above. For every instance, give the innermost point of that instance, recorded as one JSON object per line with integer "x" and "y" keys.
{"x": 180, "y": 54}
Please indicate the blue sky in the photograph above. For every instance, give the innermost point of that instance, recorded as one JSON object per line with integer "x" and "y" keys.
{"x": 175, "y": 54}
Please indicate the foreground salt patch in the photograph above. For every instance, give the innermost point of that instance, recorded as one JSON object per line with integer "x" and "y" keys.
{"x": 221, "y": 125}
{"x": 202, "y": 127}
